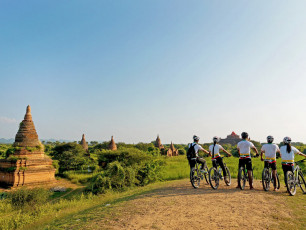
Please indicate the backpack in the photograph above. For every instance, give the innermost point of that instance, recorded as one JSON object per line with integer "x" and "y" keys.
{"x": 191, "y": 152}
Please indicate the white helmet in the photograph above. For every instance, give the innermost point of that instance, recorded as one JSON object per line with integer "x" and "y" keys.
{"x": 287, "y": 140}
{"x": 216, "y": 139}
{"x": 196, "y": 138}
{"x": 270, "y": 139}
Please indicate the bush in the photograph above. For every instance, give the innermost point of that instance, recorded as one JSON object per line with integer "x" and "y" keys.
{"x": 116, "y": 173}
{"x": 130, "y": 177}
{"x": 29, "y": 197}
{"x": 149, "y": 172}
{"x": 100, "y": 184}
{"x": 182, "y": 152}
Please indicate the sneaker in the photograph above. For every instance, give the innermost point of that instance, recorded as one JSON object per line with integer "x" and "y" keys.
{"x": 225, "y": 179}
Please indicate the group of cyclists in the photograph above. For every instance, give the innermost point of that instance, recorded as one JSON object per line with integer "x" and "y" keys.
{"x": 244, "y": 147}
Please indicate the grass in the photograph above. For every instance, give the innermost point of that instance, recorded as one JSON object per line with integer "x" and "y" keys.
{"x": 74, "y": 207}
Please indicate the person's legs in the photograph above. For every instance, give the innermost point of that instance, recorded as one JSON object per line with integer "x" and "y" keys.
{"x": 241, "y": 164}
{"x": 285, "y": 169}
{"x": 220, "y": 162}
{"x": 273, "y": 166}
{"x": 202, "y": 162}
{"x": 249, "y": 168}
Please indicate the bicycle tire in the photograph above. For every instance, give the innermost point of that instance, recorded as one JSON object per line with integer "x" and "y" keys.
{"x": 302, "y": 182}
{"x": 206, "y": 174}
{"x": 213, "y": 176}
{"x": 195, "y": 178}
{"x": 277, "y": 181}
{"x": 291, "y": 187}
{"x": 229, "y": 178}
{"x": 241, "y": 178}
{"x": 265, "y": 179}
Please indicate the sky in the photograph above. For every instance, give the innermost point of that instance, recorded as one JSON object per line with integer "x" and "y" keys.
{"x": 135, "y": 69}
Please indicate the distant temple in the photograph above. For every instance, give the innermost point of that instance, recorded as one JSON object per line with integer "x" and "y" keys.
{"x": 84, "y": 143}
{"x": 112, "y": 144}
{"x": 172, "y": 151}
{"x": 158, "y": 143}
{"x": 28, "y": 165}
{"x": 232, "y": 139}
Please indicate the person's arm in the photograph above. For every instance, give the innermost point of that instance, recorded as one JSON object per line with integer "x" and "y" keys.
{"x": 302, "y": 154}
{"x": 205, "y": 151}
{"x": 256, "y": 151}
{"x": 262, "y": 151}
{"x": 225, "y": 151}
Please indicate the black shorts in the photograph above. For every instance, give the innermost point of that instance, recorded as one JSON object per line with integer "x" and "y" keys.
{"x": 271, "y": 165}
{"x": 247, "y": 162}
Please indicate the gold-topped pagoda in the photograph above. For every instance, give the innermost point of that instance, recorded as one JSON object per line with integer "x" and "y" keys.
{"x": 28, "y": 165}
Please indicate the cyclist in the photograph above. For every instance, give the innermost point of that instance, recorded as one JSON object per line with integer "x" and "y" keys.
{"x": 193, "y": 150}
{"x": 214, "y": 152}
{"x": 287, "y": 154}
{"x": 270, "y": 151}
{"x": 244, "y": 149}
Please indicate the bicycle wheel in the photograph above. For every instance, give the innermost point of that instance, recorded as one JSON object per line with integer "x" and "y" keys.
{"x": 213, "y": 176}
{"x": 277, "y": 181}
{"x": 195, "y": 178}
{"x": 265, "y": 179}
{"x": 302, "y": 182}
{"x": 206, "y": 174}
{"x": 241, "y": 178}
{"x": 228, "y": 174}
{"x": 291, "y": 188}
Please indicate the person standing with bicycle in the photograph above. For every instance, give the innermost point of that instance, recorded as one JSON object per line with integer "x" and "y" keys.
{"x": 244, "y": 149}
{"x": 270, "y": 151}
{"x": 287, "y": 154}
{"x": 193, "y": 150}
{"x": 214, "y": 152}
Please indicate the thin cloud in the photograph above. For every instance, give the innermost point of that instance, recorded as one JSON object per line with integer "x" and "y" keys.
{"x": 7, "y": 120}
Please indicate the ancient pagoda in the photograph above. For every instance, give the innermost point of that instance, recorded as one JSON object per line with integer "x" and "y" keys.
{"x": 28, "y": 165}
{"x": 112, "y": 144}
{"x": 158, "y": 143}
{"x": 84, "y": 143}
{"x": 172, "y": 151}
{"x": 232, "y": 139}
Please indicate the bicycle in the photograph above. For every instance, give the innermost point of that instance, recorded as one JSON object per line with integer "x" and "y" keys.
{"x": 215, "y": 175}
{"x": 295, "y": 178}
{"x": 196, "y": 175}
{"x": 243, "y": 176}
{"x": 267, "y": 178}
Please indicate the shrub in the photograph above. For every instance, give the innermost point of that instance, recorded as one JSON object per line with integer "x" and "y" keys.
{"x": 116, "y": 173}
{"x": 149, "y": 172}
{"x": 100, "y": 184}
{"x": 182, "y": 152}
{"x": 28, "y": 197}
{"x": 130, "y": 177}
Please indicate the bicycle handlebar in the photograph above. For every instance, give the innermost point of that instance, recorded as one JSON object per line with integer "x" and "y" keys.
{"x": 300, "y": 161}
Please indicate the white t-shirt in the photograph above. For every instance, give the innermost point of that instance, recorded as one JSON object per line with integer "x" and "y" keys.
{"x": 270, "y": 151}
{"x": 288, "y": 157}
{"x": 216, "y": 150}
{"x": 197, "y": 147}
{"x": 245, "y": 148}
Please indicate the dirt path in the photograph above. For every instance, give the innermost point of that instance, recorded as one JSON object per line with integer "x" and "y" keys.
{"x": 179, "y": 206}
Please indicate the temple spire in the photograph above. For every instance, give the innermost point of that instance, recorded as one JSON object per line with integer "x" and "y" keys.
{"x": 84, "y": 143}
{"x": 112, "y": 144}
{"x": 28, "y": 115}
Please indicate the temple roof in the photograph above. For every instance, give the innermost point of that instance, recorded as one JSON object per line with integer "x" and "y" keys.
{"x": 84, "y": 143}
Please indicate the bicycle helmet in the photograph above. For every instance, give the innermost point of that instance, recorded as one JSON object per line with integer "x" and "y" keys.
{"x": 244, "y": 135}
{"x": 216, "y": 139}
{"x": 196, "y": 138}
{"x": 287, "y": 140}
{"x": 270, "y": 139}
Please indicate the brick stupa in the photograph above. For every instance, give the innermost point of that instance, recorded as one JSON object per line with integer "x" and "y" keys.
{"x": 84, "y": 143}
{"x": 158, "y": 143}
{"x": 172, "y": 151}
{"x": 28, "y": 166}
{"x": 112, "y": 144}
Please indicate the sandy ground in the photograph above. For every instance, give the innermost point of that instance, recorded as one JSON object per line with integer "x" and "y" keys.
{"x": 179, "y": 206}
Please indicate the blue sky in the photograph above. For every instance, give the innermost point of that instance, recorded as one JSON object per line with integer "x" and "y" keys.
{"x": 135, "y": 69}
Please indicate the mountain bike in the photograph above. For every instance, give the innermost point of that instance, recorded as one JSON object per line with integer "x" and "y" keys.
{"x": 267, "y": 178}
{"x": 243, "y": 176}
{"x": 295, "y": 178}
{"x": 215, "y": 174}
{"x": 196, "y": 175}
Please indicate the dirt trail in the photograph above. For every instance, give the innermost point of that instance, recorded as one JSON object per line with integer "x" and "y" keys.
{"x": 179, "y": 206}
